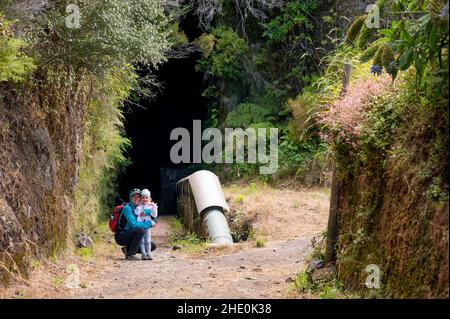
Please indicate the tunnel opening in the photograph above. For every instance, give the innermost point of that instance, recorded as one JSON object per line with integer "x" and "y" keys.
{"x": 150, "y": 123}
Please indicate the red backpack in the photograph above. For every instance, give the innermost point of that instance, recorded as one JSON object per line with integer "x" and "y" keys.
{"x": 115, "y": 220}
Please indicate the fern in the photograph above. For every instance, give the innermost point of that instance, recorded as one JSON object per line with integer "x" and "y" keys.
{"x": 246, "y": 114}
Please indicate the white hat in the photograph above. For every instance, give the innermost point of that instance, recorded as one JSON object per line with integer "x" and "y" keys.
{"x": 145, "y": 193}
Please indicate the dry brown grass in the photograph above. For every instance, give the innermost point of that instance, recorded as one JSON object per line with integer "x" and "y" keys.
{"x": 48, "y": 275}
{"x": 280, "y": 214}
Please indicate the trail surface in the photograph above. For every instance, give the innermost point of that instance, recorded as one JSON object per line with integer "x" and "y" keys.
{"x": 249, "y": 272}
{"x": 286, "y": 220}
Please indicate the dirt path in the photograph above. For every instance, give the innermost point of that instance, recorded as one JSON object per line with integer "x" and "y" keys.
{"x": 284, "y": 220}
{"x": 249, "y": 272}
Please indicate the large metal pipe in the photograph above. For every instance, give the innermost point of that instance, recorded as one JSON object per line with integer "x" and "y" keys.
{"x": 211, "y": 204}
{"x": 217, "y": 226}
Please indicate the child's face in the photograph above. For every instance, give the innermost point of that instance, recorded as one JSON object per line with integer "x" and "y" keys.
{"x": 145, "y": 200}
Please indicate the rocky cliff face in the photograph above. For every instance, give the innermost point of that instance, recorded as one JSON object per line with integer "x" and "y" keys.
{"x": 41, "y": 129}
{"x": 393, "y": 208}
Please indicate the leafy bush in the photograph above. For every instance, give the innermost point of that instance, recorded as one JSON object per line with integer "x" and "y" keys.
{"x": 111, "y": 33}
{"x": 104, "y": 147}
{"x": 14, "y": 64}
{"x": 418, "y": 37}
{"x": 297, "y": 159}
{"x": 225, "y": 61}
{"x": 289, "y": 57}
{"x": 292, "y": 23}
{"x": 206, "y": 43}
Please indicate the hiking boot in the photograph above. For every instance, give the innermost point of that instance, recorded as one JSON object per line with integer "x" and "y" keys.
{"x": 124, "y": 250}
{"x": 149, "y": 257}
{"x": 144, "y": 256}
{"x": 132, "y": 257}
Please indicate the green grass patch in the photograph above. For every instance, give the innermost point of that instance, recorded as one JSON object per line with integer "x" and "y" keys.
{"x": 190, "y": 242}
{"x": 330, "y": 289}
{"x": 176, "y": 225}
{"x": 239, "y": 199}
{"x": 187, "y": 241}
{"x": 58, "y": 282}
{"x": 85, "y": 253}
{"x": 259, "y": 243}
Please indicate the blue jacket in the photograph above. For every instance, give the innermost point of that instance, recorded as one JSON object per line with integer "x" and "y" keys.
{"x": 128, "y": 213}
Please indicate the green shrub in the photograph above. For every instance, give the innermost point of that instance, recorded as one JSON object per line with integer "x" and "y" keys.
{"x": 225, "y": 61}
{"x": 206, "y": 43}
{"x": 58, "y": 282}
{"x": 104, "y": 147}
{"x": 418, "y": 37}
{"x": 176, "y": 226}
{"x": 239, "y": 199}
{"x": 302, "y": 282}
{"x": 289, "y": 57}
{"x": 14, "y": 63}
{"x": 111, "y": 33}
{"x": 293, "y": 20}
{"x": 184, "y": 239}
{"x": 85, "y": 253}
{"x": 260, "y": 243}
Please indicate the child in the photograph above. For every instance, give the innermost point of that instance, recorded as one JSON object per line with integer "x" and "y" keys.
{"x": 146, "y": 211}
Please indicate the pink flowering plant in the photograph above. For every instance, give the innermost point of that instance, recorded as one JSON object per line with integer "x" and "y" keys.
{"x": 343, "y": 121}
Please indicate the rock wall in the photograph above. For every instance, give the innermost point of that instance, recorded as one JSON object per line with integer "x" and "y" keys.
{"x": 41, "y": 129}
{"x": 394, "y": 209}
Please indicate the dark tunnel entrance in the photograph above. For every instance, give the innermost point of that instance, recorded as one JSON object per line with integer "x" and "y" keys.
{"x": 149, "y": 127}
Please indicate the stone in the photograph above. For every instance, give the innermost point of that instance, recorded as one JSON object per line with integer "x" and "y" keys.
{"x": 314, "y": 264}
{"x": 83, "y": 241}
{"x": 290, "y": 279}
{"x": 176, "y": 247}
{"x": 323, "y": 274}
